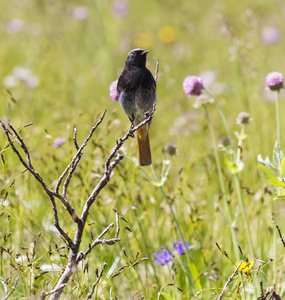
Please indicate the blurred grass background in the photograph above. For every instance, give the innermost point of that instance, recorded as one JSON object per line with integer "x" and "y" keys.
{"x": 75, "y": 54}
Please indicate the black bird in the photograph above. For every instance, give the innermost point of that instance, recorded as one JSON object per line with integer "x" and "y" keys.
{"x": 136, "y": 87}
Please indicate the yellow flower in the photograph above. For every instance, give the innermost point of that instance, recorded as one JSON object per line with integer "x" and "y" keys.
{"x": 144, "y": 40}
{"x": 246, "y": 266}
{"x": 167, "y": 34}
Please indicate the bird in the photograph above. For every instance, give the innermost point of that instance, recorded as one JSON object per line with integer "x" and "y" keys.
{"x": 137, "y": 95}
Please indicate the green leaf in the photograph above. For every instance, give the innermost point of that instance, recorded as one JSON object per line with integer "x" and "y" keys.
{"x": 266, "y": 163}
{"x": 277, "y": 155}
{"x": 195, "y": 275}
{"x": 270, "y": 178}
{"x": 243, "y": 136}
{"x": 283, "y": 166}
{"x": 165, "y": 296}
{"x": 232, "y": 167}
{"x": 280, "y": 196}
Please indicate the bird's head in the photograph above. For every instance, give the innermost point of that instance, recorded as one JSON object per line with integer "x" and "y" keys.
{"x": 137, "y": 57}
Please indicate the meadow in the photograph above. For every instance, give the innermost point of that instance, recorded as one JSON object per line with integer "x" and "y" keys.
{"x": 57, "y": 61}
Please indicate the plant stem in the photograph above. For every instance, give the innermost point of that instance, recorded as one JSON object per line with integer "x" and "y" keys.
{"x": 275, "y": 204}
{"x": 240, "y": 197}
{"x": 277, "y": 118}
{"x": 222, "y": 184}
{"x": 189, "y": 275}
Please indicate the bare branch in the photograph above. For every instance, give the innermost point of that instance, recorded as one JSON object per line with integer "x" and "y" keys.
{"x": 28, "y": 164}
{"x": 45, "y": 294}
{"x": 75, "y": 138}
{"x": 82, "y": 255}
{"x": 30, "y": 168}
{"x": 110, "y": 165}
{"x": 12, "y": 289}
{"x": 96, "y": 282}
{"x": 279, "y": 231}
{"x": 58, "y": 227}
{"x": 75, "y": 160}
{"x": 228, "y": 281}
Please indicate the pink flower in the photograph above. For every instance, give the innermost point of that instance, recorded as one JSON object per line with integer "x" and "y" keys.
{"x": 80, "y": 13}
{"x": 270, "y": 35}
{"x": 120, "y": 9}
{"x": 274, "y": 81}
{"x": 58, "y": 141}
{"x": 193, "y": 85}
{"x": 114, "y": 94}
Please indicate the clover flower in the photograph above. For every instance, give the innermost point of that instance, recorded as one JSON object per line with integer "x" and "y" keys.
{"x": 224, "y": 141}
{"x": 274, "y": 81}
{"x": 163, "y": 256}
{"x": 202, "y": 100}
{"x": 243, "y": 118}
{"x": 170, "y": 150}
{"x": 120, "y": 9}
{"x": 193, "y": 85}
{"x": 270, "y": 35}
{"x": 80, "y": 13}
{"x": 58, "y": 141}
{"x": 114, "y": 94}
{"x": 179, "y": 246}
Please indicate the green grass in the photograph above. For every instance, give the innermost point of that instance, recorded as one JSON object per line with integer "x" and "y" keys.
{"x": 76, "y": 61}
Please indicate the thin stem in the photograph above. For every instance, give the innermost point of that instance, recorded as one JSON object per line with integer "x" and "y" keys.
{"x": 275, "y": 203}
{"x": 189, "y": 275}
{"x": 241, "y": 203}
{"x": 277, "y": 118}
{"x": 240, "y": 197}
{"x": 239, "y": 146}
{"x": 222, "y": 184}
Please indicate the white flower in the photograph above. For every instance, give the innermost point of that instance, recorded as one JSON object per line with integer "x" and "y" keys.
{"x": 10, "y": 81}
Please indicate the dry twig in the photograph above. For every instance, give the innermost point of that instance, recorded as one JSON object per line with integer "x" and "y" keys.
{"x": 228, "y": 282}
{"x": 279, "y": 231}
{"x": 74, "y": 243}
{"x": 12, "y": 289}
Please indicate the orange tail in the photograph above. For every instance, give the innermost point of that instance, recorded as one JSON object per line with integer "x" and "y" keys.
{"x": 144, "y": 146}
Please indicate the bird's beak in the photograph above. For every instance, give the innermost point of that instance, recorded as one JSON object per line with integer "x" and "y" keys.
{"x": 144, "y": 52}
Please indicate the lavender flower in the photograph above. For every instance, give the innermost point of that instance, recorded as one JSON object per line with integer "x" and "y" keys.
{"x": 270, "y": 35}
{"x": 243, "y": 118}
{"x": 80, "y": 13}
{"x": 15, "y": 26}
{"x": 193, "y": 85}
{"x": 163, "y": 256}
{"x": 170, "y": 150}
{"x": 114, "y": 94}
{"x": 179, "y": 246}
{"x": 120, "y": 9}
{"x": 274, "y": 81}
{"x": 58, "y": 141}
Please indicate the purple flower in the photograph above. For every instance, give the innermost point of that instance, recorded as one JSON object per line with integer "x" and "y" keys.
{"x": 163, "y": 256}
{"x": 58, "y": 141}
{"x": 120, "y": 9}
{"x": 274, "y": 81}
{"x": 15, "y": 25}
{"x": 179, "y": 246}
{"x": 80, "y": 13}
{"x": 270, "y": 35}
{"x": 114, "y": 94}
{"x": 243, "y": 118}
{"x": 193, "y": 85}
